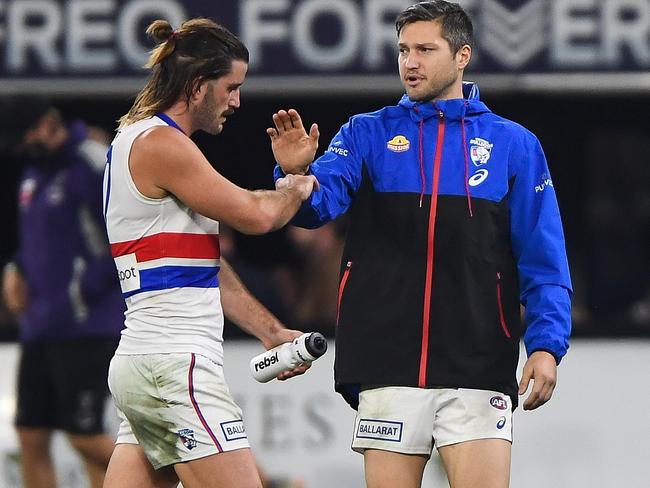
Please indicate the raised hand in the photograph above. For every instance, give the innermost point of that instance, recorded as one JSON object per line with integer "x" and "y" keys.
{"x": 294, "y": 149}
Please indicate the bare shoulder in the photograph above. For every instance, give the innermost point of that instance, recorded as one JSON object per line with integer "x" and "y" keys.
{"x": 162, "y": 141}
{"x": 164, "y": 146}
{"x": 163, "y": 158}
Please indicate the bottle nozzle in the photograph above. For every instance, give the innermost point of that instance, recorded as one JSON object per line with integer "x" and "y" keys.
{"x": 316, "y": 344}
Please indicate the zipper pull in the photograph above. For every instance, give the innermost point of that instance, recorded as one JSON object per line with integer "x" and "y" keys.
{"x": 441, "y": 115}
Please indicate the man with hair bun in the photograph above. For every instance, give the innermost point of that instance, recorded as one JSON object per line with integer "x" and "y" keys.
{"x": 162, "y": 203}
{"x": 453, "y": 224}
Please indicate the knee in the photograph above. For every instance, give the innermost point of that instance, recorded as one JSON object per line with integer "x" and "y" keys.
{"x": 34, "y": 441}
{"x": 89, "y": 446}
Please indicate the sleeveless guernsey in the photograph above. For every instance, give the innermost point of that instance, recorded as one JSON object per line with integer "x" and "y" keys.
{"x": 167, "y": 258}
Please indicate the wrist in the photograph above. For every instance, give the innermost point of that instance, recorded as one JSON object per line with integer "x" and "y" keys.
{"x": 271, "y": 336}
{"x": 295, "y": 170}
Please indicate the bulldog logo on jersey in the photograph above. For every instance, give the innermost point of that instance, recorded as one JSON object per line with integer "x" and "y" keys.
{"x": 480, "y": 151}
{"x": 187, "y": 438}
{"x": 399, "y": 144}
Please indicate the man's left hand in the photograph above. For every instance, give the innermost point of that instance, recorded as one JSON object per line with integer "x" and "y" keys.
{"x": 542, "y": 369}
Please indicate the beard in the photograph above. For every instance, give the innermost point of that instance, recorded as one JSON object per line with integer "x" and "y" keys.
{"x": 433, "y": 90}
{"x": 206, "y": 117}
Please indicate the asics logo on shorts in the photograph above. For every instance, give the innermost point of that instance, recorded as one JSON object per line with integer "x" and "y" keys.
{"x": 384, "y": 430}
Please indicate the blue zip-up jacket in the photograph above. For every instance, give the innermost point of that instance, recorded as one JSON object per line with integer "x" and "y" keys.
{"x": 63, "y": 249}
{"x": 453, "y": 223}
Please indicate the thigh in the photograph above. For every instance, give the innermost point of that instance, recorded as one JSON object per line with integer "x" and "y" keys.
{"x": 467, "y": 415}
{"x": 483, "y": 463}
{"x": 231, "y": 469}
{"x": 36, "y": 403}
{"x": 396, "y": 419}
{"x": 386, "y": 469}
{"x": 129, "y": 467}
{"x": 80, "y": 381}
{"x": 473, "y": 434}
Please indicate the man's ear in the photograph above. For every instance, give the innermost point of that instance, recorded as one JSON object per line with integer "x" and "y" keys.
{"x": 463, "y": 56}
{"x": 198, "y": 89}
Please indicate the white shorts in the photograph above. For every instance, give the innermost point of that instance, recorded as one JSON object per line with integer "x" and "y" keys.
{"x": 412, "y": 420}
{"x": 176, "y": 406}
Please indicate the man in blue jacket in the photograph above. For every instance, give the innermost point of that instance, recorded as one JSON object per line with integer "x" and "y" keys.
{"x": 453, "y": 223}
{"x": 63, "y": 287}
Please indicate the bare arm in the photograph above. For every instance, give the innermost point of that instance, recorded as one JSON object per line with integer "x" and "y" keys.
{"x": 164, "y": 161}
{"x": 240, "y": 306}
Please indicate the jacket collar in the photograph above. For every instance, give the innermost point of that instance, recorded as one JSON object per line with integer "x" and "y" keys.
{"x": 453, "y": 109}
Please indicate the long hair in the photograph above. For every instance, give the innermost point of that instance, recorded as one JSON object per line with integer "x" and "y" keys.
{"x": 199, "y": 49}
{"x": 457, "y": 27}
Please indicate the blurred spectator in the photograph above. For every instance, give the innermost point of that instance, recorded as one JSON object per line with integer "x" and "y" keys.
{"x": 264, "y": 282}
{"x": 300, "y": 289}
{"x": 617, "y": 262}
{"x": 63, "y": 286}
{"x": 317, "y": 276}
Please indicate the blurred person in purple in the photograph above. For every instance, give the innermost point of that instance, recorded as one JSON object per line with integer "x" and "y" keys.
{"x": 62, "y": 286}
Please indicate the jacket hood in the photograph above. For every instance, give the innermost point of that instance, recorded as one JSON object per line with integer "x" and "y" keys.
{"x": 454, "y": 109}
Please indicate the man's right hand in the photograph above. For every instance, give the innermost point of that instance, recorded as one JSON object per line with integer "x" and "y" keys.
{"x": 293, "y": 148}
{"x": 14, "y": 289}
{"x": 303, "y": 185}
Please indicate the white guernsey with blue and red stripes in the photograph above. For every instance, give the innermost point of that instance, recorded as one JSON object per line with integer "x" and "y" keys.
{"x": 167, "y": 258}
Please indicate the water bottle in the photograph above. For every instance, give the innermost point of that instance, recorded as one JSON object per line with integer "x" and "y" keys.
{"x": 304, "y": 349}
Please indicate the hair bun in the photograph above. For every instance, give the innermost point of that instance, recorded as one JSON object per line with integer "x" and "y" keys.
{"x": 160, "y": 30}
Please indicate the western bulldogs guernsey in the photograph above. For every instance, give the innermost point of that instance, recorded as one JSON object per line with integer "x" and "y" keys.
{"x": 167, "y": 258}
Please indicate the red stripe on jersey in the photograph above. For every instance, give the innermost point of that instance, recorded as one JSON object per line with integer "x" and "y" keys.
{"x": 170, "y": 245}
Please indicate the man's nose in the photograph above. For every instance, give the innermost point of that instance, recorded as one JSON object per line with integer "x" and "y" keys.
{"x": 234, "y": 101}
{"x": 412, "y": 61}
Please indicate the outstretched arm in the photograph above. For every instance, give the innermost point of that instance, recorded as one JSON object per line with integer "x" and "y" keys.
{"x": 241, "y": 307}
{"x": 164, "y": 161}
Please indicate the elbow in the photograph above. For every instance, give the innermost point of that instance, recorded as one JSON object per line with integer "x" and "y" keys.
{"x": 261, "y": 222}
{"x": 263, "y": 214}
{"x": 260, "y": 227}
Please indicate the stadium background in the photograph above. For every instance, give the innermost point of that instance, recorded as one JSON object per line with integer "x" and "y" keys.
{"x": 575, "y": 73}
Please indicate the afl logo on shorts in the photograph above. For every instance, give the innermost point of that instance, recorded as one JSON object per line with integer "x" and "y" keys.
{"x": 499, "y": 402}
